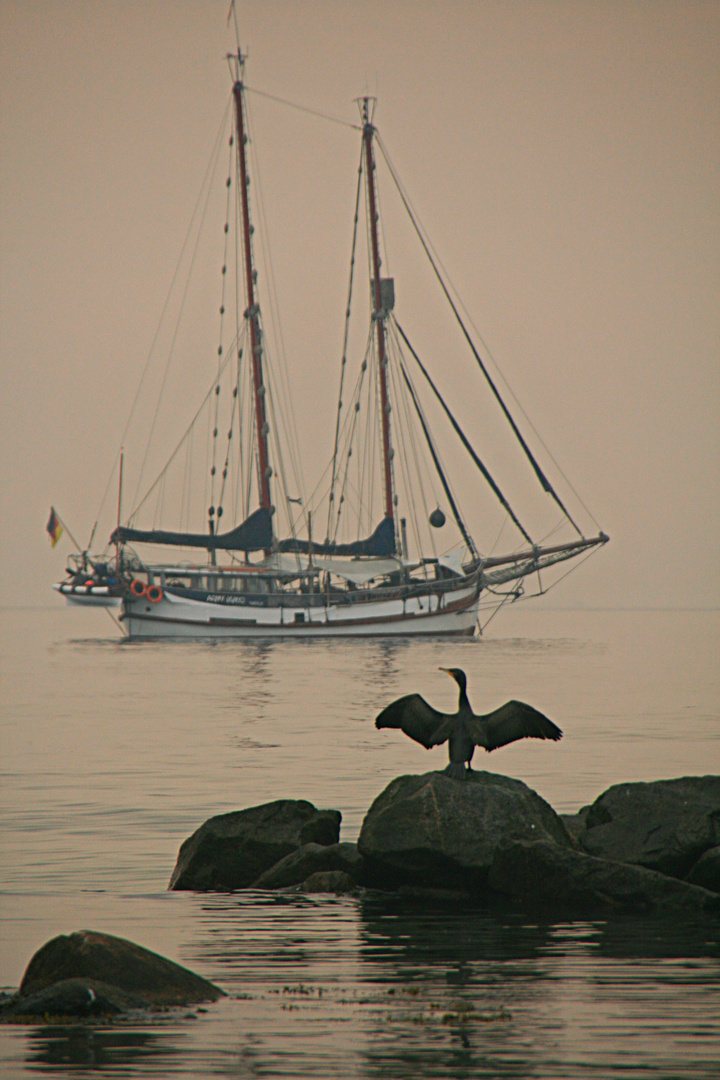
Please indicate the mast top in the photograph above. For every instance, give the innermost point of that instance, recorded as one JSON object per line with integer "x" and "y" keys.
{"x": 366, "y": 105}
{"x": 236, "y": 63}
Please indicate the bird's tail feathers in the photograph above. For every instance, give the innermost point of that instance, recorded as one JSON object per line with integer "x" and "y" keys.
{"x": 456, "y": 770}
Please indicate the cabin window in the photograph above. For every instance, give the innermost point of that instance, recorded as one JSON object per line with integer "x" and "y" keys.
{"x": 257, "y": 585}
{"x": 299, "y": 616}
{"x": 178, "y": 583}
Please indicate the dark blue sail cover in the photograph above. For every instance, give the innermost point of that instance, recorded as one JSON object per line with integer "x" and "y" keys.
{"x": 253, "y": 534}
{"x": 380, "y": 544}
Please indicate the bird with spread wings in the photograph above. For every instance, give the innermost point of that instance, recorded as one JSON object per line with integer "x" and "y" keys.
{"x": 464, "y": 730}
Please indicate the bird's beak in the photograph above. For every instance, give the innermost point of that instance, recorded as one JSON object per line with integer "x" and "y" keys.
{"x": 445, "y": 669}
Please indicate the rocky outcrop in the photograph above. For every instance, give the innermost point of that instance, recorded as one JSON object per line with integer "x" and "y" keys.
{"x": 484, "y": 839}
{"x": 432, "y": 830}
{"x": 309, "y": 860}
{"x": 232, "y": 850}
{"x": 546, "y": 874}
{"x": 89, "y": 973}
{"x": 665, "y": 825}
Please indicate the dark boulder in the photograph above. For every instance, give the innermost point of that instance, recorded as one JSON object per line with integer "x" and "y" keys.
{"x": 310, "y": 859}
{"x": 706, "y": 871}
{"x": 665, "y": 825}
{"x": 232, "y": 850}
{"x": 432, "y": 830}
{"x": 329, "y": 881}
{"x": 115, "y": 962}
{"x": 74, "y": 998}
{"x": 544, "y": 874}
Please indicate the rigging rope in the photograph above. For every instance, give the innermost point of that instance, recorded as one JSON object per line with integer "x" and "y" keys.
{"x": 174, "y": 338}
{"x": 443, "y": 480}
{"x": 409, "y": 451}
{"x": 209, "y": 173}
{"x": 278, "y": 371}
{"x": 302, "y": 108}
{"x": 213, "y": 510}
{"x": 463, "y": 438}
{"x": 349, "y": 428}
{"x": 331, "y": 497}
{"x": 544, "y": 482}
{"x": 181, "y": 442}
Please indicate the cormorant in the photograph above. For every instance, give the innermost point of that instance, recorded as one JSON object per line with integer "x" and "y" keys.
{"x": 465, "y": 729}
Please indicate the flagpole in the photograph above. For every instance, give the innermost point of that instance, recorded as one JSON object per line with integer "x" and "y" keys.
{"x": 119, "y": 511}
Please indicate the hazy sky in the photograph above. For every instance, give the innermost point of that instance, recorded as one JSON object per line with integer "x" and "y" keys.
{"x": 563, "y": 155}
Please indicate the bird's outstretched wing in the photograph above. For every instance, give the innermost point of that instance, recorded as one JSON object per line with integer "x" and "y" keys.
{"x": 513, "y": 720}
{"x": 416, "y": 718}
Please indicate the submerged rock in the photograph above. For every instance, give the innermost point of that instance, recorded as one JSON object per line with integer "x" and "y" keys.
{"x": 89, "y": 973}
{"x": 546, "y": 874}
{"x": 232, "y": 850}
{"x": 76, "y": 998}
{"x": 312, "y": 859}
{"x": 432, "y": 830}
{"x": 664, "y": 825}
{"x": 329, "y": 881}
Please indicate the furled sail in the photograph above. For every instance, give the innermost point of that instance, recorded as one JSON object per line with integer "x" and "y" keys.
{"x": 380, "y": 544}
{"x": 253, "y": 534}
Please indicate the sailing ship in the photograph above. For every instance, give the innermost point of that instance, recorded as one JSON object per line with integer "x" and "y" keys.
{"x": 370, "y": 552}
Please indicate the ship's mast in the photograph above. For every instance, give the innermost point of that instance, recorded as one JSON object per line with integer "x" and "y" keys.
{"x": 252, "y": 313}
{"x": 379, "y": 313}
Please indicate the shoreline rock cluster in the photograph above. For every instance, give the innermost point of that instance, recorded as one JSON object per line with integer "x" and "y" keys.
{"x": 490, "y": 839}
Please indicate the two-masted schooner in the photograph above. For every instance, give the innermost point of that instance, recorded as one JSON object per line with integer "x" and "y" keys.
{"x": 323, "y": 565}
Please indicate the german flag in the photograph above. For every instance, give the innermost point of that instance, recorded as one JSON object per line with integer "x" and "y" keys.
{"x": 54, "y": 527}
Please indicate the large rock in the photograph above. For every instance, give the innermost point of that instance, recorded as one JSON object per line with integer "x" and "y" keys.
{"x": 231, "y": 851}
{"x": 311, "y": 859}
{"x": 665, "y": 825}
{"x": 114, "y": 962}
{"x": 432, "y": 830}
{"x": 548, "y": 875}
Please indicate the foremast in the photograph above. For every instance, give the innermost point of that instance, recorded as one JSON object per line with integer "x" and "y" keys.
{"x": 379, "y": 313}
{"x": 252, "y": 311}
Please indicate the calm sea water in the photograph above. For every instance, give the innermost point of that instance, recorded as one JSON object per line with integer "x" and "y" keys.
{"x": 112, "y": 753}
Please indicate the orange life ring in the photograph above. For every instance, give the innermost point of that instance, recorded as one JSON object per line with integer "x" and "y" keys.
{"x": 154, "y": 594}
{"x": 138, "y": 588}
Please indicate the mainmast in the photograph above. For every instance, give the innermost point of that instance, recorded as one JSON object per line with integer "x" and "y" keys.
{"x": 379, "y": 312}
{"x": 252, "y": 313}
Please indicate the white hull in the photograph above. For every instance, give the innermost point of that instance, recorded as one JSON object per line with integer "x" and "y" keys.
{"x": 88, "y": 595}
{"x": 453, "y": 613}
